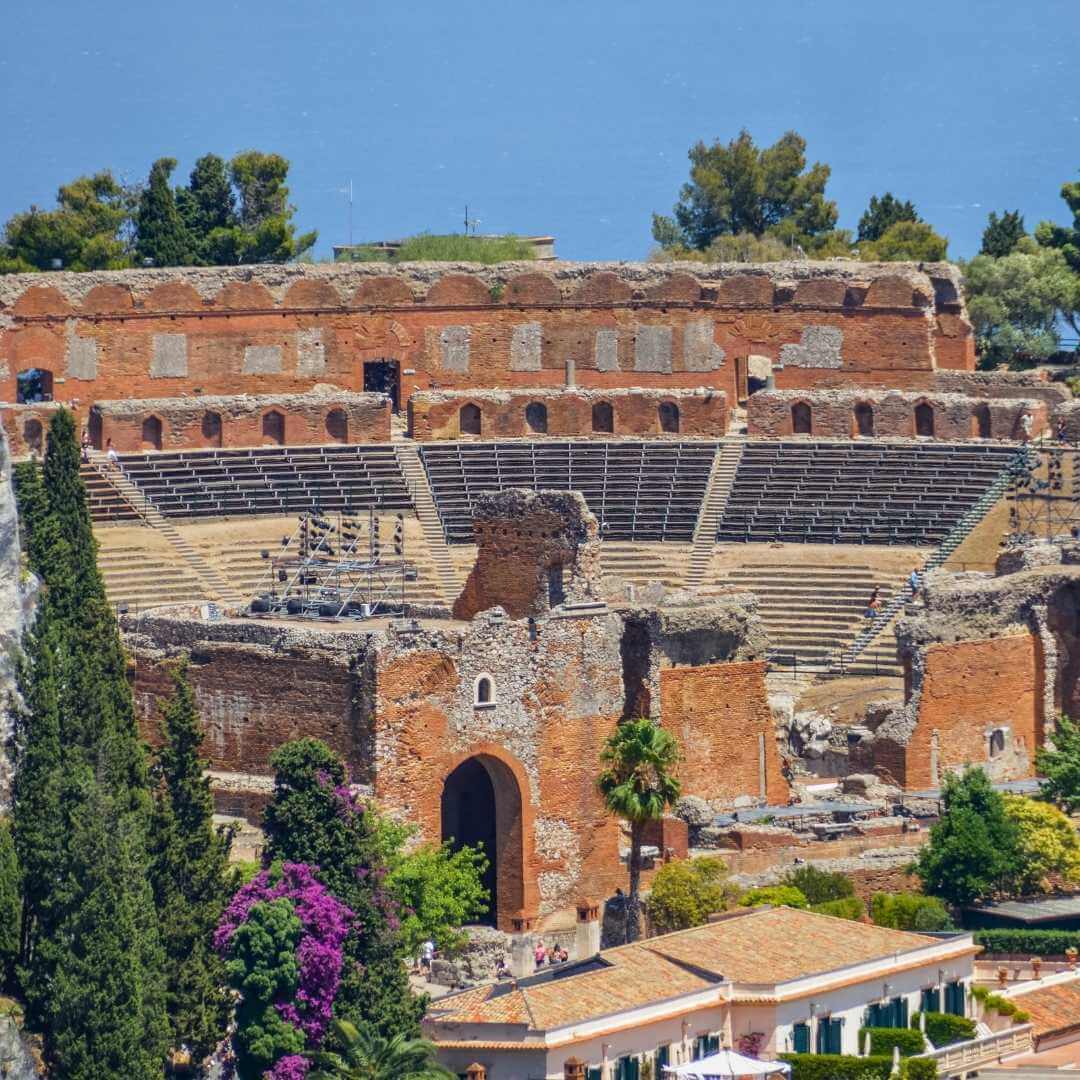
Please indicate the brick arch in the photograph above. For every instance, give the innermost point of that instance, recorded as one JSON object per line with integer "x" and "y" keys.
{"x": 42, "y": 300}
{"x": 244, "y": 295}
{"x": 753, "y": 290}
{"x": 107, "y": 300}
{"x": 152, "y": 434}
{"x": 383, "y": 290}
{"x": 531, "y": 288}
{"x": 311, "y": 294}
{"x": 603, "y": 287}
{"x": 677, "y": 287}
{"x": 890, "y": 290}
{"x": 458, "y": 289}
{"x": 173, "y": 296}
{"x": 821, "y": 292}
{"x": 517, "y": 891}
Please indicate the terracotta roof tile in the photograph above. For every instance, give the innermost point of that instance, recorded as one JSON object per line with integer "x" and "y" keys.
{"x": 1053, "y": 1008}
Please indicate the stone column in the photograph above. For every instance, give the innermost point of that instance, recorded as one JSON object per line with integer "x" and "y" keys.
{"x": 587, "y": 932}
{"x": 522, "y": 961}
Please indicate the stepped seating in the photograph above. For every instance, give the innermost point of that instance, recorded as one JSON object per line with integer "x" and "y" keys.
{"x": 268, "y": 480}
{"x": 644, "y": 564}
{"x": 141, "y": 570}
{"x": 856, "y": 493}
{"x": 104, "y": 501}
{"x": 638, "y": 490}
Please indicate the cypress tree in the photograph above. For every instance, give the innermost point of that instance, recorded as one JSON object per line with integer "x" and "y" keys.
{"x": 161, "y": 235}
{"x": 10, "y": 904}
{"x": 189, "y": 874}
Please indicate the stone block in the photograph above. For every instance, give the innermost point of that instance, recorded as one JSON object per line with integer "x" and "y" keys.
{"x": 262, "y": 360}
{"x": 700, "y": 352}
{"x": 169, "y": 359}
{"x": 819, "y": 348}
{"x": 82, "y": 356}
{"x": 525, "y": 346}
{"x": 310, "y": 352}
{"x": 652, "y": 349}
{"x": 607, "y": 350}
{"x": 454, "y": 346}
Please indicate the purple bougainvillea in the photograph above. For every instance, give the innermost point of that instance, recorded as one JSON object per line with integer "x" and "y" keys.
{"x": 326, "y": 922}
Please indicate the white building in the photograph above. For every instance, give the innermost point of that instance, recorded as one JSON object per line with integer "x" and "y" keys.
{"x": 763, "y": 981}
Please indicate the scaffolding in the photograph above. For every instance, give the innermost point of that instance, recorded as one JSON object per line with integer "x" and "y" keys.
{"x": 1043, "y": 494}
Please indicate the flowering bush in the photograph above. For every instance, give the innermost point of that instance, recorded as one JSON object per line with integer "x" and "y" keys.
{"x": 288, "y": 959}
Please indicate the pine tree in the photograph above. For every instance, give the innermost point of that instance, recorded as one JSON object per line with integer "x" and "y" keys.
{"x": 208, "y": 207}
{"x": 10, "y": 904}
{"x": 161, "y": 234}
{"x": 189, "y": 874}
{"x": 882, "y": 214}
{"x": 1002, "y": 234}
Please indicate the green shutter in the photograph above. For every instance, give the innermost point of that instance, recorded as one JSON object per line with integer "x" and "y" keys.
{"x": 663, "y": 1057}
{"x": 931, "y": 1000}
{"x": 800, "y": 1038}
{"x": 954, "y": 998}
{"x": 594, "y": 1072}
{"x": 713, "y": 1044}
{"x": 901, "y": 1012}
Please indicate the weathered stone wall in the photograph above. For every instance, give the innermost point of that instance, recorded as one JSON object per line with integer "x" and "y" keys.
{"x": 27, "y": 427}
{"x": 845, "y": 414}
{"x": 535, "y": 550}
{"x": 721, "y": 717}
{"x": 325, "y": 415}
{"x": 283, "y": 329}
{"x": 570, "y": 412}
{"x": 1002, "y": 384}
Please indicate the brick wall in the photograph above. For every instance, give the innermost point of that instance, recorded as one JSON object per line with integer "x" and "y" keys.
{"x": 319, "y": 418}
{"x": 844, "y": 414}
{"x": 721, "y": 717}
{"x": 502, "y": 414}
{"x": 27, "y": 427}
{"x": 265, "y": 330}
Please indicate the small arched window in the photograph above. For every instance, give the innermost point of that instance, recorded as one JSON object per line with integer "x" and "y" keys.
{"x": 924, "y": 419}
{"x": 470, "y": 419}
{"x": 484, "y": 692}
{"x": 151, "y": 433}
{"x": 668, "y": 414}
{"x": 982, "y": 421}
{"x": 864, "y": 419}
{"x": 536, "y": 419}
{"x": 33, "y": 435}
{"x": 603, "y": 417}
{"x": 337, "y": 426}
{"x": 34, "y": 384}
{"x": 802, "y": 420}
{"x": 273, "y": 428}
{"x": 211, "y": 428}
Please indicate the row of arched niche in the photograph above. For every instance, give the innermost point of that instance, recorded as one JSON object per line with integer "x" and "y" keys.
{"x": 863, "y": 423}
{"x": 471, "y": 418}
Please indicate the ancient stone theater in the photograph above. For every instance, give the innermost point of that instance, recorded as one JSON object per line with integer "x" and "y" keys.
{"x": 460, "y": 521}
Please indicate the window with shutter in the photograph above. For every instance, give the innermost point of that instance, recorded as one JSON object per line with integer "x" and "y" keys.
{"x": 594, "y": 1072}
{"x": 800, "y": 1038}
{"x": 663, "y": 1056}
{"x": 712, "y": 1044}
{"x": 900, "y": 1012}
{"x": 829, "y": 1036}
{"x": 931, "y": 1000}
{"x": 954, "y": 998}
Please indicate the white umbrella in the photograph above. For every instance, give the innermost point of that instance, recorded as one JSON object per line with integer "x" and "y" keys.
{"x": 724, "y": 1065}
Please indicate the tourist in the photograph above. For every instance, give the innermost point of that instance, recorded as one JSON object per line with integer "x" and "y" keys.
{"x": 427, "y": 955}
{"x": 1062, "y": 430}
{"x": 873, "y": 604}
{"x": 540, "y": 955}
{"x": 1025, "y": 426}
{"x": 110, "y": 453}
{"x": 502, "y": 971}
{"x": 914, "y": 580}
{"x": 85, "y": 446}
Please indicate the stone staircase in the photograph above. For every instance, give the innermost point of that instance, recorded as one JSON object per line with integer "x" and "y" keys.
{"x": 447, "y": 575}
{"x": 721, "y": 480}
{"x": 105, "y": 502}
{"x": 644, "y": 564}
{"x": 810, "y": 610}
{"x": 213, "y": 584}
{"x": 144, "y": 573}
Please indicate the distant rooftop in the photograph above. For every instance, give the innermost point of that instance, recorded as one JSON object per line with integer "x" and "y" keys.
{"x": 543, "y": 246}
{"x": 1040, "y": 909}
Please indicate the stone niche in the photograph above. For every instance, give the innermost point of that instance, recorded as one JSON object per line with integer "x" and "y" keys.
{"x": 536, "y": 551}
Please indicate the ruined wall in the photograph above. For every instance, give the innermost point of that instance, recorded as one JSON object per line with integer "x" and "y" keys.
{"x": 324, "y": 416}
{"x": 437, "y": 414}
{"x": 535, "y": 550}
{"x": 720, "y": 715}
{"x": 1003, "y": 384}
{"x": 283, "y": 329}
{"x": 27, "y": 427}
{"x": 845, "y": 414}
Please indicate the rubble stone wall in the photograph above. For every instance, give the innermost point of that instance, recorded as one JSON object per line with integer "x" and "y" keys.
{"x": 27, "y": 427}
{"x": 570, "y": 412}
{"x": 847, "y": 413}
{"x": 321, "y": 417}
{"x": 284, "y": 329}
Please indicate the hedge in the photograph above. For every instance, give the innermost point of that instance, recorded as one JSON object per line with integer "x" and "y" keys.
{"x": 944, "y": 1029}
{"x": 1028, "y": 942}
{"x": 843, "y": 1067}
{"x": 883, "y": 1039}
{"x": 847, "y": 907}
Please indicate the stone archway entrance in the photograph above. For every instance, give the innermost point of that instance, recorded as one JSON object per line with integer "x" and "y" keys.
{"x": 481, "y": 806}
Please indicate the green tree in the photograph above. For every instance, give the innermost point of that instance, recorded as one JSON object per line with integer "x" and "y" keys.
{"x": 86, "y": 231}
{"x": 266, "y": 232}
{"x": 313, "y": 818}
{"x": 208, "y": 208}
{"x": 1059, "y": 765}
{"x": 359, "y": 1053}
{"x": 883, "y": 213}
{"x": 685, "y": 892}
{"x": 738, "y": 188}
{"x": 10, "y": 905}
{"x": 819, "y": 886}
{"x": 1066, "y": 240}
{"x": 160, "y": 233}
{"x": 776, "y": 895}
{"x": 263, "y": 968}
{"x": 439, "y": 890}
{"x": 909, "y": 911}
{"x": 189, "y": 872}
{"x": 1048, "y": 843}
{"x": 906, "y": 241}
{"x": 1002, "y": 234}
{"x": 637, "y": 785}
{"x": 974, "y": 849}
{"x": 1013, "y": 303}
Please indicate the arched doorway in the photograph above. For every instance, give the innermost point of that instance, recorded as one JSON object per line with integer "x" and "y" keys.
{"x": 924, "y": 419}
{"x": 469, "y": 419}
{"x": 151, "y": 433}
{"x": 383, "y": 377}
{"x": 864, "y": 419}
{"x": 337, "y": 426}
{"x": 211, "y": 429}
{"x": 536, "y": 417}
{"x": 273, "y": 428}
{"x": 982, "y": 421}
{"x": 34, "y": 384}
{"x": 33, "y": 435}
{"x": 603, "y": 418}
{"x": 802, "y": 420}
{"x": 481, "y": 806}
{"x": 668, "y": 415}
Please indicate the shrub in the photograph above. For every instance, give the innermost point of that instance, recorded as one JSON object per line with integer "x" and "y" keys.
{"x": 457, "y": 247}
{"x": 909, "y": 911}
{"x": 847, "y": 907}
{"x": 1028, "y": 942}
{"x": 777, "y": 895}
{"x": 881, "y": 1041}
{"x": 944, "y": 1029}
{"x": 918, "y": 1069}
{"x": 685, "y": 892}
{"x": 838, "y": 1067}
{"x": 1003, "y": 1006}
{"x": 819, "y": 886}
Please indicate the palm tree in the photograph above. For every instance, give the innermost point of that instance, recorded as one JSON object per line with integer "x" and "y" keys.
{"x": 363, "y": 1054}
{"x": 637, "y": 786}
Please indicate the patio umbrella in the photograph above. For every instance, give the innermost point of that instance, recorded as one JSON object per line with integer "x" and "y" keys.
{"x": 724, "y": 1065}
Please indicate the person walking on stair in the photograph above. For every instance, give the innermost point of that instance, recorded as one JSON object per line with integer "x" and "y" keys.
{"x": 873, "y": 605}
{"x": 110, "y": 453}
